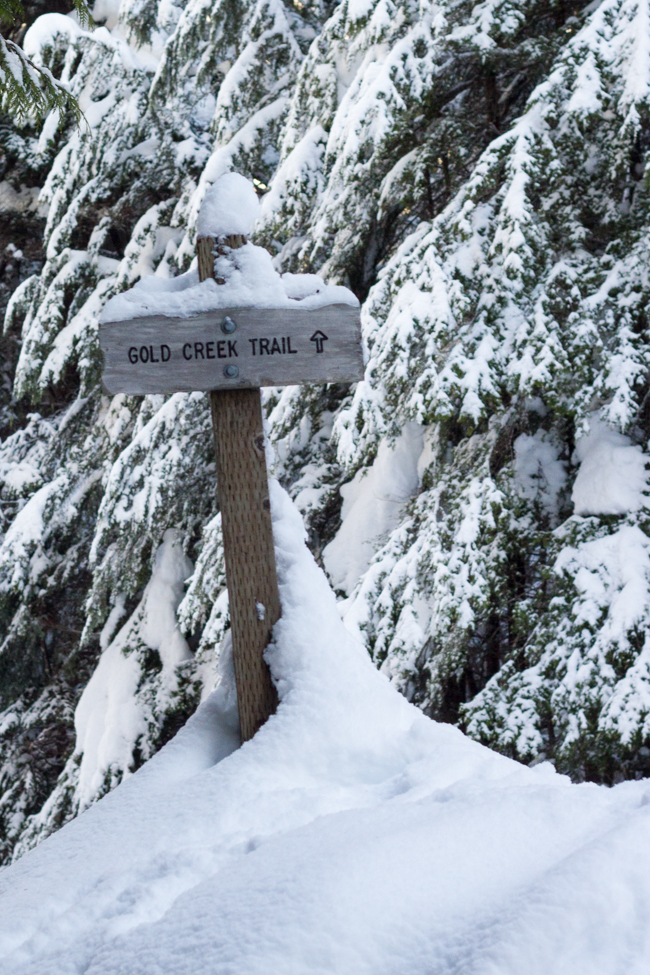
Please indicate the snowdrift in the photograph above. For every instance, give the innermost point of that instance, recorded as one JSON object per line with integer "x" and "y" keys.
{"x": 351, "y": 835}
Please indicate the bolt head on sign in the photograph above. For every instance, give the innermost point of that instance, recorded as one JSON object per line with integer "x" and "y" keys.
{"x": 254, "y": 328}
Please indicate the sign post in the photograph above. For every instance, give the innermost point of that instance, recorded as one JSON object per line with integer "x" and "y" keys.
{"x": 243, "y": 489}
{"x": 232, "y": 352}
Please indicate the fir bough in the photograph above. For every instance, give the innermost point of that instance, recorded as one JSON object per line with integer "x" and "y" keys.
{"x": 28, "y": 90}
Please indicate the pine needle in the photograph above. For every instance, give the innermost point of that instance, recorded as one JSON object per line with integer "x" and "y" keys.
{"x": 27, "y": 90}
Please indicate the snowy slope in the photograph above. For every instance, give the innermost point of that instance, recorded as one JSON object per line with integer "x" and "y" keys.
{"x": 352, "y": 834}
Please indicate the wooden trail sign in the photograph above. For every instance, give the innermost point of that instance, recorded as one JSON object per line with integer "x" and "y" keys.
{"x": 232, "y": 352}
{"x": 233, "y": 348}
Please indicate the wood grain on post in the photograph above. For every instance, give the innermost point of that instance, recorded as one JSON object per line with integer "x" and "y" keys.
{"x": 242, "y": 485}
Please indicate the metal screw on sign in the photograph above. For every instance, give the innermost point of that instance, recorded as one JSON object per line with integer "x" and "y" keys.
{"x": 231, "y": 352}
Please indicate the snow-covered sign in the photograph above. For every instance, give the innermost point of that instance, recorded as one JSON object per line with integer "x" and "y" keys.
{"x": 229, "y": 326}
{"x": 232, "y": 348}
{"x": 233, "y": 322}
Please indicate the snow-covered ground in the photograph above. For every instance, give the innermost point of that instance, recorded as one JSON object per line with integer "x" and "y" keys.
{"x": 352, "y": 835}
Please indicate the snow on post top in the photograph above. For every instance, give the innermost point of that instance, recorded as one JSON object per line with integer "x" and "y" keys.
{"x": 249, "y": 278}
{"x": 230, "y": 206}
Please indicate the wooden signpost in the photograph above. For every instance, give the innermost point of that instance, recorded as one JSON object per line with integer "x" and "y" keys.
{"x": 232, "y": 352}
{"x": 235, "y": 348}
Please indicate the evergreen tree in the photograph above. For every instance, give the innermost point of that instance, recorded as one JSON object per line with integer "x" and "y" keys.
{"x": 476, "y": 172}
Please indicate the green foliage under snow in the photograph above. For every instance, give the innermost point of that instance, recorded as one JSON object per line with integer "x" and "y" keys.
{"x": 477, "y": 174}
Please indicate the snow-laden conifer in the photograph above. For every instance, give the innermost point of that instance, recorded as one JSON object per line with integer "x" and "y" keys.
{"x": 478, "y": 172}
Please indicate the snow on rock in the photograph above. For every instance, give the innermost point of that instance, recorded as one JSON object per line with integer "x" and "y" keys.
{"x": 612, "y": 479}
{"x": 352, "y": 834}
{"x": 230, "y": 206}
{"x": 372, "y": 504}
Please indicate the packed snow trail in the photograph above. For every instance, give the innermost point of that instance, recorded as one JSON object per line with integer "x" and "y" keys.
{"x": 351, "y": 835}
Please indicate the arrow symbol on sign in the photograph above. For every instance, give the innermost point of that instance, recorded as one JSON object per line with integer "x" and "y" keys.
{"x": 319, "y": 337}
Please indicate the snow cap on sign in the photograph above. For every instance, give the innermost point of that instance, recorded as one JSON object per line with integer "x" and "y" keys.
{"x": 230, "y": 206}
{"x": 300, "y": 286}
{"x": 251, "y": 281}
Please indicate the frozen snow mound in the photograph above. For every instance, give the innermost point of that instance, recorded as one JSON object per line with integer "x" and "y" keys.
{"x": 352, "y": 834}
{"x": 612, "y": 479}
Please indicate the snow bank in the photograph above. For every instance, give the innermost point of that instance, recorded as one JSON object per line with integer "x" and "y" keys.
{"x": 612, "y": 479}
{"x": 351, "y": 835}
